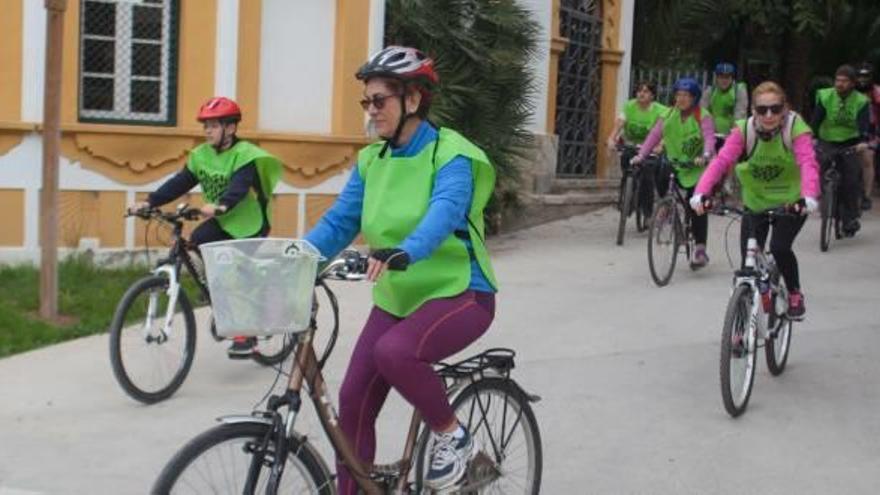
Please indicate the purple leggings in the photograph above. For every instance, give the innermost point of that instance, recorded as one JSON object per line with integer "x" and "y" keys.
{"x": 399, "y": 352}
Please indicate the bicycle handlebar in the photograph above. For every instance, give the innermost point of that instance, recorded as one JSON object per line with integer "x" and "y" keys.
{"x": 183, "y": 212}
{"x": 350, "y": 266}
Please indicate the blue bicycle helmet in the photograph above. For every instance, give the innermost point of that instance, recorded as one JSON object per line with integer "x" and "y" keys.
{"x": 691, "y": 86}
{"x": 725, "y": 68}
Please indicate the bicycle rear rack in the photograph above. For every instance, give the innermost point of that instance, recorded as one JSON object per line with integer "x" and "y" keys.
{"x": 498, "y": 359}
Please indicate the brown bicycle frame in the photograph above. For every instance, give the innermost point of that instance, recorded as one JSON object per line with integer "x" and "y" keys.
{"x": 306, "y": 369}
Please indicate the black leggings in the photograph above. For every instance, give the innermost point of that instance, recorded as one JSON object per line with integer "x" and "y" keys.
{"x": 785, "y": 229}
{"x": 699, "y": 224}
{"x": 646, "y": 182}
{"x": 850, "y": 168}
{"x": 211, "y": 231}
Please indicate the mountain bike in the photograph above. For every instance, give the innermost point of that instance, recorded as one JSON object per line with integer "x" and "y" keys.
{"x": 153, "y": 331}
{"x": 263, "y": 453}
{"x": 670, "y": 230}
{"x": 831, "y": 203}
{"x": 632, "y": 195}
{"x": 756, "y": 316}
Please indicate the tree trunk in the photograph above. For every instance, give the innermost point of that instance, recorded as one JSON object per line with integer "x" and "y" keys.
{"x": 797, "y": 69}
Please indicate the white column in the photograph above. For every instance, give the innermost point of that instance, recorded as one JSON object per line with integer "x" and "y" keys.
{"x": 627, "y": 16}
{"x": 226, "y": 64}
{"x": 542, "y": 13}
{"x": 377, "y": 25}
{"x": 33, "y": 60}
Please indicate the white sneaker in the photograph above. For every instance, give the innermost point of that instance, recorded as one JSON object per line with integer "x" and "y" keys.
{"x": 450, "y": 454}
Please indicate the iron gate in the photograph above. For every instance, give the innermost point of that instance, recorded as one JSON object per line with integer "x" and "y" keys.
{"x": 577, "y": 100}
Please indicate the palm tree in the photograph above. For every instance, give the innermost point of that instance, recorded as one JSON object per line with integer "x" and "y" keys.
{"x": 482, "y": 49}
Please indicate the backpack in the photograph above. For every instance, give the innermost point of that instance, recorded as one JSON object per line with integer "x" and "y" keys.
{"x": 751, "y": 136}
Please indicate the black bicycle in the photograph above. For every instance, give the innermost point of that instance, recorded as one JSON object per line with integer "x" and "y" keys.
{"x": 831, "y": 203}
{"x": 671, "y": 229}
{"x": 633, "y": 197}
{"x": 153, "y": 331}
{"x": 263, "y": 453}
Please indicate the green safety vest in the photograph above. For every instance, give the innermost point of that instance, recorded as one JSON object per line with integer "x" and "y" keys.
{"x": 770, "y": 177}
{"x": 684, "y": 143}
{"x": 841, "y": 115}
{"x": 214, "y": 172}
{"x": 397, "y": 193}
{"x": 722, "y": 106}
{"x": 639, "y": 122}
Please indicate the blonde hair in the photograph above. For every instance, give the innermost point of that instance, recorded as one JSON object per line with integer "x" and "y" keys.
{"x": 769, "y": 87}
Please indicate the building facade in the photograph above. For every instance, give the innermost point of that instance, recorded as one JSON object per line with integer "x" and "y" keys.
{"x": 136, "y": 71}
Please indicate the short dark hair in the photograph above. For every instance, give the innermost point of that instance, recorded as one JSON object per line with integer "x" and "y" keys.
{"x": 649, "y": 85}
{"x": 847, "y": 71}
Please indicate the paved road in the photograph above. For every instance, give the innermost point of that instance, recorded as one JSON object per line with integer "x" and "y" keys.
{"x": 628, "y": 374}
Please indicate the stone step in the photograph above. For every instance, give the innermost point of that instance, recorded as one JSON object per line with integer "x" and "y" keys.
{"x": 572, "y": 198}
{"x": 561, "y": 186}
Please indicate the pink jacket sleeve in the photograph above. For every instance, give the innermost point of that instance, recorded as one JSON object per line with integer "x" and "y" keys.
{"x": 651, "y": 141}
{"x": 727, "y": 158}
{"x": 805, "y": 157}
{"x": 708, "y": 128}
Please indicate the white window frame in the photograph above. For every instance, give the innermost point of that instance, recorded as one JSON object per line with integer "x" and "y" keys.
{"x": 122, "y": 76}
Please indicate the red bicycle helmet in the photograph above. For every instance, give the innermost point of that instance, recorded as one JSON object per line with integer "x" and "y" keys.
{"x": 219, "y": 107}
{"x": 400, "y": 62}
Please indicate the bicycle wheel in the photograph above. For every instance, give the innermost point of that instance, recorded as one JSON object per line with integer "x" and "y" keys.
{"x": 828, "y": 222}
{"x": 776, "y": 347}
{"x": 626, "y": 206}
{"x": 499, "y": 417}
{"x": 663, "y": 241}
{"x": 738, "y": 342}
{"x": 148, "y": 364}
{"x": 224, "y": 459}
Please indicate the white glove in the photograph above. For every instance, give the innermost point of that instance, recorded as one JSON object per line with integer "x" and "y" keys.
{"x": 812, "y": 204}
{"x": 697, "y": 203}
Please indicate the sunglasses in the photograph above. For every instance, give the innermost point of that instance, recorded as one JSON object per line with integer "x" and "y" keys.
{"x": 377, "y": 101}
{"x": 774, "y": 109}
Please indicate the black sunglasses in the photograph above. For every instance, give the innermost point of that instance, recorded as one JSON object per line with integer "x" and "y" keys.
{"x": 377, "y": 101}
{"x": 774, "y": 109}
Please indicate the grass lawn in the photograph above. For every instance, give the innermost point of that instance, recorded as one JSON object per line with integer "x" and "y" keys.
{"x": 87, "y": 293}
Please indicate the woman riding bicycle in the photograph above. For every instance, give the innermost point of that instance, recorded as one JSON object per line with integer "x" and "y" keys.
{"x": 688, "y": 134}
{"x": 632, "y": 127}
{"x": 237, "y": 180}
{"x": 773, "y": 173}
{"x": 418, "y": 198}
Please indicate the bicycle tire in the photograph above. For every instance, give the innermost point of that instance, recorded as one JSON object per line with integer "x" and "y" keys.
{"x": 828, "y": 222}
{"x": 664, "y": 218}
{"x": 778, "y": 345}
{"x": 234, "y": 468}
{"x": 123, "y": 372}
{"x": 738, "y": 343}
{"x": 475, "y": 414}
{"x": 625, "y": 208}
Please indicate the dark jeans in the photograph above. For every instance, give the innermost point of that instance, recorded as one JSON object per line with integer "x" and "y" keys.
{"x": 850, "y": 168}
{"x": 785, "y": 229}
{"x": 646, "y": 180}
{"x": 210, "y": 231}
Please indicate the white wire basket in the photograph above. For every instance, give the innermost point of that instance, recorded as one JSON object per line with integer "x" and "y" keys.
{"x": 262, "y": 286}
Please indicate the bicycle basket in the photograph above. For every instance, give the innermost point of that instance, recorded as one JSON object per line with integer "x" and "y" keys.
{"x": 260, "y": 286}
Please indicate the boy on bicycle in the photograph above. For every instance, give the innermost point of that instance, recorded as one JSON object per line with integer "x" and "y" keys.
{"x": 237, "y": 179}
{"x": 842, "y": 120}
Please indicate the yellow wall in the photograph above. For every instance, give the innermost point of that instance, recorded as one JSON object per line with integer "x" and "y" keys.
{"x": 316, "y": 205}
{"x": 250, "y": 20}
{"x": 12, "y": 206}
{"x": 97, "y": 214}
{"x": 611, "y": 57}
{"x": 285, "y": 215}
{"x": 350, "y": 47}
{"x": 10, "y": 55}
{"x": 195, "y": 75}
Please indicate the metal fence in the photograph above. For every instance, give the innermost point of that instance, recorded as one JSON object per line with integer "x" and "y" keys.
{"x": 665, "y": 78}
{"x": 128, "y": 54}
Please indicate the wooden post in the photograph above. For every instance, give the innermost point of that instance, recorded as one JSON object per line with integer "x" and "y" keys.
{"x": 51, "y": 140}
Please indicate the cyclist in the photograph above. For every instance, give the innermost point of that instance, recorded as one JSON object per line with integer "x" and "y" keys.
{"x": 632, "y": 127}
{"x": 727, "y": 100}
{"x": 418, "y": 197}
{"x": 841, "y": 119}
{"x": 867, "y": 87}
{"x": 778, "y": 170}
{"x": 688, "y": 134}
{"x": 237, "y": 179}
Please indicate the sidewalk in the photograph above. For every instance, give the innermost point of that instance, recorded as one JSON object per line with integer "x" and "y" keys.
{"x": 628, "y": 373}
